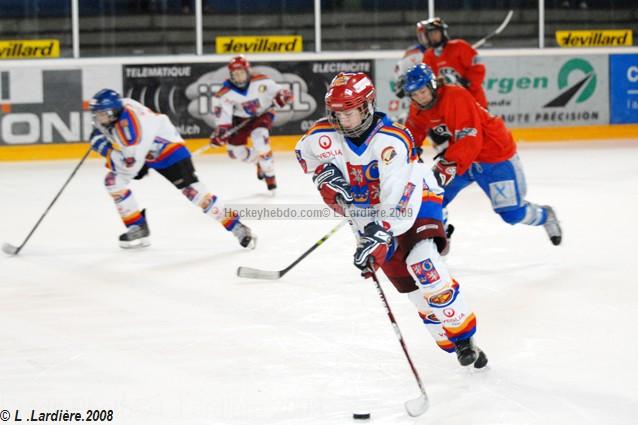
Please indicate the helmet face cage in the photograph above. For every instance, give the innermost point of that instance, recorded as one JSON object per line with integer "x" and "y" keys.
{"x": 239, "y": 63}
{"x": 106, "y": 101}
{"x": 427, "y": 26}
{"x": 350, "y": 91}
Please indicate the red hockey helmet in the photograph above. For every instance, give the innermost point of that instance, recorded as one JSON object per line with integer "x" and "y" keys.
{"x": 239, "y": 63}
{"x": 351, "y": 91}
{"x": 432, "y": 24}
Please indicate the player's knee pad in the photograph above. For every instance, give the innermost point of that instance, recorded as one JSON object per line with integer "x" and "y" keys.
{"x": 240, "y": 152}
{"x": 261, "y": 142}
{"x": 426, "y": 266}
{"x": 116, "y": 185}
{"x": 513, "y": 216}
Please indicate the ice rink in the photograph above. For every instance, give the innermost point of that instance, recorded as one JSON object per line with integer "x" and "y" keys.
{"x": 169, "y": 335}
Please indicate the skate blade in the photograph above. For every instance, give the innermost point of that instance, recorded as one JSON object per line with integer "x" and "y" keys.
{"x": 136, "y": 244}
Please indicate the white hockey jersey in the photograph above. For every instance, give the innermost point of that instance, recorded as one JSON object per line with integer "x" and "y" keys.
{"x": 141, "y": 136}
{"x": 382, "y": 172}
{"x": 256, "y": 98}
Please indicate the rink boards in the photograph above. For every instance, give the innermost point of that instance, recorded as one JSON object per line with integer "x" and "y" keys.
{"x": 548, "y": 95}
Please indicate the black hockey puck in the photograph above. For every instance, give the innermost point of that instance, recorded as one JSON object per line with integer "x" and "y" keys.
{"x": 361, "y": 415}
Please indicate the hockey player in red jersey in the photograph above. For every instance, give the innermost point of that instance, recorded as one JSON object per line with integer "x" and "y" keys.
{"x": 249, "y": 100}
{"x": 455, "y": 60}
{"x": 473, "y": 146}
{"x": 134, "y": 139}
{"x": 361, "y": 161}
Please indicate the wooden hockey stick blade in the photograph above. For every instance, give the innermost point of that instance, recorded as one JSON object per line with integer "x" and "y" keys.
{"x": 250, "y": 273}
{"x": 9, "y": 249}
{"x": 418, "y": 406}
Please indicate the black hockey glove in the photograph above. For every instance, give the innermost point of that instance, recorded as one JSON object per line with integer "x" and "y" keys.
{"x": 333, "y": 187}
{"x": 372, "y": 249}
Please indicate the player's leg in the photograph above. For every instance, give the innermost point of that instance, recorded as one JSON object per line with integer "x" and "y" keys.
{"x": 265, "y": 162}
{"x": 137, "y": 234}
{"x": 182, "y": 175}
{"x": 439, "y": 299}
{"x": 504, "y": 182}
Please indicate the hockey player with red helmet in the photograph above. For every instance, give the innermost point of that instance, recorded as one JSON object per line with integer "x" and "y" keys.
{"x": 361, "y": 161}
{"x": 475, "y": 146}
{"x": 248, "y": 97}
{"x": 455, "y": 60}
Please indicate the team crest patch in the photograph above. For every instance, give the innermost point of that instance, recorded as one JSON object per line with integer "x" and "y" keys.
{"x": 262, "y": 88}
{"x": 426, "y": 272}
{"x": 388, "y": 154}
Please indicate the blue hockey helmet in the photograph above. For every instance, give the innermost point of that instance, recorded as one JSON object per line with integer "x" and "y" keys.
{"x": 420, "y": 76}
{"x": 108, "y": 101}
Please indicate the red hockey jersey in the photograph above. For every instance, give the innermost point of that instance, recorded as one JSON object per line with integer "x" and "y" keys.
{"x": 475, "y": 134}
{"x": 457, "y": 63}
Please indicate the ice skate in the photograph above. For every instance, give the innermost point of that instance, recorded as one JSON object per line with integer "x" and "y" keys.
{"x": 137, "y": 236}
{"x": 271, "y": 182}
{"x": 552, "y": 226}
{"x": 467, "y": 353}
{"x": 244, "y": 236}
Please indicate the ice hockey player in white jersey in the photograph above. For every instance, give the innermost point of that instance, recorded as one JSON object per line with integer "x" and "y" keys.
{"x": 134, "y": 139}
{"x": 363, "y": 162}
{"x": 248, "y": 97}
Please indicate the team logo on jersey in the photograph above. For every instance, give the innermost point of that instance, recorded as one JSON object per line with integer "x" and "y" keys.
{"x": 251, "y": 107}
{"x": 426, "y": 272}
{"x": 405, "y": 197}
{"x": 467, "y": 131}
{"x": 262, "y": 88}
{"x": 217, "y": 110}
{"x": 446, "y": 297}
{"x": 364, "y": 182}
{"x": 388, "y": 154}
{"x": 449, "y": 312}
{"x": 325, "y": 142}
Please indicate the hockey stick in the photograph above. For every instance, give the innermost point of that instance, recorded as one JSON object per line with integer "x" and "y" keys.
{"x": 497, "y": 31}
{"x": 419, "y": 405}
{"x": 251, "y": 273}
{"x": 13, "y": 250}
{"x": 233, "y": 130}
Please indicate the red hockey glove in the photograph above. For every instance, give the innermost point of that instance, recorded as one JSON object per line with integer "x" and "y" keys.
{"x": 372, "y": 249}
{"x": 444, "y": 171}
{"x": 283, "y": 97}
{"x": 333, "y": 187}
{"x": 219, "y": 135}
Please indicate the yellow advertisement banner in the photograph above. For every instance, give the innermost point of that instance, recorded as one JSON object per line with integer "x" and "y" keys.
{"x": 594, "y": 38}
{"x": 29, "y": 49}
{"x": 258, "y": 44}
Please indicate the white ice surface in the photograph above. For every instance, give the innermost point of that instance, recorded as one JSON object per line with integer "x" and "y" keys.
{"x": 169, "y": 335}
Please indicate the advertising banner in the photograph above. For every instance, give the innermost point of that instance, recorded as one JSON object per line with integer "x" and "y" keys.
{"x": 49, "y": 105}
{"x": 623, "y": 72}
{"x": 546, "y": 91}
{"x": 258, "y": 44}
{"x": 29, "y": 49}
{"x": 184, "y": 92}
{"x": 594, "y": 38}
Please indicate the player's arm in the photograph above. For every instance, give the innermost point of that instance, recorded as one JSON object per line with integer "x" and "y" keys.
{"x": 328, "y": 178}
{"x": 280, "y": 96}
{"x": 474, "y": 73}
{"x": 418, "y": 127}
{"x": 461, "y": 115}
{"x": 223, "y": 116}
